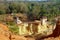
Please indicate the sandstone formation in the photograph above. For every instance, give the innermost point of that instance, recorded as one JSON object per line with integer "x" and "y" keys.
{"x": 37, "y": 27}
{"x": 56, "y": 33}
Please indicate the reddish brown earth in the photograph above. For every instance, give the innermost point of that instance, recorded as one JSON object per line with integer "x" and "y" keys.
{"x": 56, "y": 33}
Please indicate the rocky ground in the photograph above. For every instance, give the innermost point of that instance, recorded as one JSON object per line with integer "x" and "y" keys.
{"x": 5, "y": 34}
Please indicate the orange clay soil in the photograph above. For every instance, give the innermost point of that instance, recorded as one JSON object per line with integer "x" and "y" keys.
{"x": 3, "y": 26}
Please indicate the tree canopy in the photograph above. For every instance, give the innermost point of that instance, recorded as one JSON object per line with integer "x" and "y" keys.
{"x": 34, "y": 10}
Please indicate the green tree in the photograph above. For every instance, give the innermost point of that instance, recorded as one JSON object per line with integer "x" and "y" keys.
{"x": 3, "y": 8}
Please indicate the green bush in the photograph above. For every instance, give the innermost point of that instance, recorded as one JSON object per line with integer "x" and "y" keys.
{"x": 14, "y": 29}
